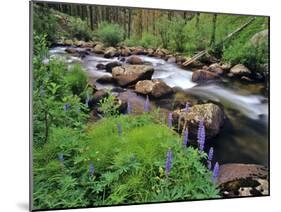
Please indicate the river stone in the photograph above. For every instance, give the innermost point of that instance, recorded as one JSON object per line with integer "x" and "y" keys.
{"x": 71, "y": 50}
{"x": 105, "y": 79}
{"x": 137, "y": 50}
{"x": 236, "y": 179}
{"x": 130, "y": 74}
{"x": 212, "y": 114}
{"x": 155, "y": 88}
{"x": 98, "y": 49}
{"x": 100, "y": 66}
{"x": 109, "y": 66}
{"x": 134, "y": 60}
{"x": 99, "y": 95}
{"x": 216, "y": 68}
{"x": 110, "y": 52}
{"x": 68, "y": 42}
{"x": 150, "y": 52}
{"x": 239, "y": 70}
{"x": 203, "y": 75}
{"x": 125, "y": 51}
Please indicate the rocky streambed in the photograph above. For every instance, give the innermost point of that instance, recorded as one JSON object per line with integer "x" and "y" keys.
{"x": 235, "y": 111}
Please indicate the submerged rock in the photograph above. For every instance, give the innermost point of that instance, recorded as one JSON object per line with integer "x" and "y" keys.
{"x": 237, "y": 179}
{"x": 109, "y": 66}
{"x": 130, "y": 74}
{"x": 239, "y": 70}
{"x": 111, "y": 52}
{"x": 212, "y": 114}
{"x": 105, "y": 79}
{"x": 134, "y": 60}
{"x": 155, "y": 88}
{"x": 203, "y": 75}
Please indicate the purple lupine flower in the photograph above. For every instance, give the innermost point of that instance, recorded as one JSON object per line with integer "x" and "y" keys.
{"x": 170, "y": 120}
{"x": 201, "y": 135}
{"x": 215, "y": 172}
{"x": 119, "y": 129}
{"x": 209, "y": 163}
{"x": 186, "y": 109}
{"x": 92, "y": 169}
{"x": 66, "y": 107}
{"x": 61, "y": 158}
{"x": 146, "y": 105}
{"x": 211, "y": 154}
{"x": 129, "y": 107}
{"x": 168, "y": 162}
{"x": 185, "y": 137}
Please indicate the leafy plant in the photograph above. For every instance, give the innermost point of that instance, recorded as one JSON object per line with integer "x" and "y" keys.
{"x": 109, "y": 106}
{"x": 111, "y": 34}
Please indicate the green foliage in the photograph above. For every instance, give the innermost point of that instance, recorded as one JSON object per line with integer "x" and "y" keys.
{"x": 178, "y": 33}
{"x": 163, "y": 27}
{"x": 111, "y": 34}
{"x": 76, "y": 78}
{"x": 51, "y": 92}
{"x": 109, "y": 106}
{"x": 129, "y": 167}
{"x": 79, "y": 29}
{"x": 149, "y": 41}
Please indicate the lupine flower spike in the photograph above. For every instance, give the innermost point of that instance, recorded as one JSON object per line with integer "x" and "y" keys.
{"x": 209, "y": 164}
{"x": 129, "y": 107}
{"x": 168, "y": 162}
{"x": 61, "y": 158}
{"x": 119, "y": 129}
{"x": 211, "y": 154}
{"x": 146, "y": 105}
{"x": 66, "y": 107}
{"x": 92, "y": 169}
{"x": 170, "y": 120}
{"x": 186, "y": 109}
{"x": 185, "y": 137}
{"x": 215, "y": 172}
{"x": 201, "y": 135}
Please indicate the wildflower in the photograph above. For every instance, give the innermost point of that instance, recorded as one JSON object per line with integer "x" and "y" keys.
{"x": 215, "y": 172}
{"x": 201, "y": 135}
{"x": 129, "y": 107}
{"x": 168, "y": 162}
{"x": 61, "y": 158}
{"x": 170, "y": 120}
{"x": 119, "y": 129}
{"x": 211, "y": 153}
{"x": 66, "y": 107}
{"x": 186, "y": 109}
{"x": 92, "y": 169}
{"x": 146, "y": 105}
{"x": 185, "y": 137}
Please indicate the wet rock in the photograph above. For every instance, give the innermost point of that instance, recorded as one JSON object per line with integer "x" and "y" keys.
{"x": 150, "y": 52}
{"x": 237, "y": 179}
{"x": 154, "y": 88}
{"x": 106, "y": 79}
{"x": 125, "y": 52}
{"x": 71, "y": 50}
{"x": 111, "y": 52}
{"x": 136, "y": 101}
{"x": 208, "y": 59}
{"x": 130, "y": 74}
{"x": 213, "y": 119}
{"x": 68, "y": 42}
{"x": 160, "y": 52}
{"x": 100, "y": 66}
{"x": 226, "y": 67}
{"x": 239, "y": 70}
{"x": 194, "y": 64}
{"x": 98, "y": 49}
{"x": 98, "y": 95}
{"x": 134, "y": 60}
{"x": 216, "y": 68}
{"x": 137, "y": 50}
{"x": 171, "y": 59}
{"x": 109, "y": 66}
{"x": 79, "y": 43}
{"x": 203, "y": 75}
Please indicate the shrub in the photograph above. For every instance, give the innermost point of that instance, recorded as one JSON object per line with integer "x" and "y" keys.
{"x": 110, "y": 34}
{"x": 178, "y": 33}
{"x": 76, "y": 78}
{"x": 118, "y": 160}
{"x": 149, "y": 41}
{"x": 163, "y": 27}
{"x": 108, "y": 106}
{"x": 79, "y": 29}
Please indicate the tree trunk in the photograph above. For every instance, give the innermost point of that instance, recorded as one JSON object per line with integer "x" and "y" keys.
{"x": 129, "y": 22}
{"x": 91, "y": 18}
{"x": 197, "y": 21}
{"x": 213, "y": 35}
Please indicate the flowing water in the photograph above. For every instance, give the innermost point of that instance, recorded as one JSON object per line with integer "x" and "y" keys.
{"x": 244, "y": 136}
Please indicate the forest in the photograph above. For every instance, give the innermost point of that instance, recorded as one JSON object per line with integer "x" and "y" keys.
{"x": 134, "y": 105}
